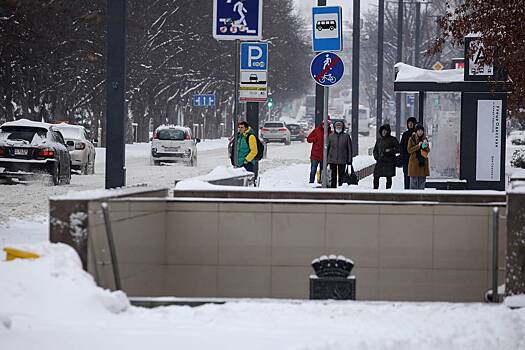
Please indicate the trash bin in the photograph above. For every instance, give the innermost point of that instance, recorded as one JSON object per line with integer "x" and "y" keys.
{"x": 332, "y": 279}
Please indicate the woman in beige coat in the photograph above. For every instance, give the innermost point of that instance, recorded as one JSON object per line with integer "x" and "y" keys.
{"x": 418, "y": 168}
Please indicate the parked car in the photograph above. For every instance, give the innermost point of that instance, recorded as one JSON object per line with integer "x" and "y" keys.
{"x": 29, "y": 150}
{"x": 173, "y": 143}
{"x": 81, "y": 149}
{"x": 275, "y": 132}
{"x": 296, "y": 132}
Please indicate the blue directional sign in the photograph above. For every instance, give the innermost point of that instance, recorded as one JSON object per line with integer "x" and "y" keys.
{"x": 203, "y": 100}
{"x": 254, "y": 56}
{"x": 327, "y": 69}
{"x": 327, "y": 23}
{"x": 410, "y": 100}
{"x": 237, "y": 19}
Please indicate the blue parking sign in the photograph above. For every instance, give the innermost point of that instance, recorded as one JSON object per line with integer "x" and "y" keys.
{"x": 237, "y": 19}
{"x": 254, "y": 56}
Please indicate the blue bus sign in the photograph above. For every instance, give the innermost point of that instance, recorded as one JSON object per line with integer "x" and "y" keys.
{"x": 237, "y": 19}
{"x": 327, "y": 69}
{"x": 327, "y": 23}
{"x": 205, "y": 100}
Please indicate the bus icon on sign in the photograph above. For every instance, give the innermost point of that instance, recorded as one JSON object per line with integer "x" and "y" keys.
{"x": 330, "y": 24}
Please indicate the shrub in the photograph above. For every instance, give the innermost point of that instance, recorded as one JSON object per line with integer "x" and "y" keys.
{"x": 518, "y": 142}
{"x": 518, "y": 159}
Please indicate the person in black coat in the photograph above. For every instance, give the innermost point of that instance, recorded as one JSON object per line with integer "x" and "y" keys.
{"x": 385, "y": 151}
{"x": 405, "y": 156}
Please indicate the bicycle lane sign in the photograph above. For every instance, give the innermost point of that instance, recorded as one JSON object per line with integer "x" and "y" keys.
{"x": 327, "y": 69}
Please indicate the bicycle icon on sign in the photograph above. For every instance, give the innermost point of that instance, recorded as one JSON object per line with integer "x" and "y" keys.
{"x": 327, "y": 77}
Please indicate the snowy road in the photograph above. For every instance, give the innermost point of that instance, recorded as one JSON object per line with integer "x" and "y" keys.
{"x": 29, "y": 200}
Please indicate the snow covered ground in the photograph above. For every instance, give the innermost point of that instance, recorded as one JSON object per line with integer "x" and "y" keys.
{"x": 51, "y": 303}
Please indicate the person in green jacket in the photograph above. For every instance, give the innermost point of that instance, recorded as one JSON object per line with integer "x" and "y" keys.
{"x": 247, "y": 146}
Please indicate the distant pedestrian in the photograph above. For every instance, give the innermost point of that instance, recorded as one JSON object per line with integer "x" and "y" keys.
{"x": 418, "y": 167}
{"x": 316, "y": 138}
{"x": 339, "y": 153}
{"x": 411, "y": 123}
{"x": 247, "y": 148}
{"x": 385, "y": 151}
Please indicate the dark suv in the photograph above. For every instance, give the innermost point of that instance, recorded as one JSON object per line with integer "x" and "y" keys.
{"x": 296, "y": 132}
{"x": 31, "y": 149}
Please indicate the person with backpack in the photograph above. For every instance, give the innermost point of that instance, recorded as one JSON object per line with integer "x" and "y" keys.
{"x": 385, "y": 151}
{"x": 405, "y": 156}
{"x": 418, "y": 168}
{"x": 250, "y": 149}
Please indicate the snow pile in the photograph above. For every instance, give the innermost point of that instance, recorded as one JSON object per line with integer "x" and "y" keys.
{"x": 16, "y": 231}
{"x": 223, "y": 172}
{"x": 193, "y": 184}
{"x": 410, "y": 73}
{"x": 212, "y": 144}
{"x": 515, "y": 301}
{"x": 292, "y": 176}
{"x": 52, "y": 288}
{"x": 51, "y": 303}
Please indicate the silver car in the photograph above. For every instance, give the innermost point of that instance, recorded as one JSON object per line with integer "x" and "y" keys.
{"x": 80, "y": 148}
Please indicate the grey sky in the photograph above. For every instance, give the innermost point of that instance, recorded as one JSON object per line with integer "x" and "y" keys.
{"x": 305, "y": 6}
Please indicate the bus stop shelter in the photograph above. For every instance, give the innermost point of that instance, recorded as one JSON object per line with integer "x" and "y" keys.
{"x": 464, "y": 114}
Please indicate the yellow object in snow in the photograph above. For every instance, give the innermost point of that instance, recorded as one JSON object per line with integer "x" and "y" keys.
{"x": 13, "y": 254}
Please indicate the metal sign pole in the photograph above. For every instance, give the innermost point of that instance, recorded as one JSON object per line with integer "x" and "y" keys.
{"x": 236, "y": 98}
{"x": 319, "y": 91}
{"x": 115, "y": 94}
{"x": 325, "y": 137}
{"x": 355, "y": 78}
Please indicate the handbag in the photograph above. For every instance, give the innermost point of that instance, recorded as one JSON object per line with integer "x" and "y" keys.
{"x": 399, "y": 161}
{"x": 350, "y": 179}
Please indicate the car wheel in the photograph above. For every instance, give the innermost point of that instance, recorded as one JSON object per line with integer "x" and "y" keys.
{"x": 55, "y": 175}
{"x": 287, "y": 142}
{"x": 156, "y": 162}
{"x": 85, "y": 168}
{"x": 91, "y": 169}
{"x": 67, "y": 179}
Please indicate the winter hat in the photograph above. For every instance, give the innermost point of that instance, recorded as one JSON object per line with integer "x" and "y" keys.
{"x": 385, "y": 127}
{"x": 419, "y": 127}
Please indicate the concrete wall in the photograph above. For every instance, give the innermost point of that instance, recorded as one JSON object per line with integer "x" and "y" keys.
{"x": 236, "y": 248}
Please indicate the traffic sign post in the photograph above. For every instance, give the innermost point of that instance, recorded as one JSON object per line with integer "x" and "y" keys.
{"x": 205, "y": 100}
{"x": 327, "y": 28}
{"x": 327, "y": 69}
{"x": 237, "y": 19}
{"x": 253, "y": 85}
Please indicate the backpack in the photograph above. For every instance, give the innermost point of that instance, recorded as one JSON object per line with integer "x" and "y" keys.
{"x": 260, "y": 147}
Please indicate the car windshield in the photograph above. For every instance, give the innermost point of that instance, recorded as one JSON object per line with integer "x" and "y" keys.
{"x": 171, "y": 134}
{"x": 273, "y": 125}
{"x": 27, "y": 134}
{"x": 71, "y": 133}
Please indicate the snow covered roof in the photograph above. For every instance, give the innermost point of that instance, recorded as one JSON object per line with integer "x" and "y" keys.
{"x": 71, "y": 126}
{"x": 28, "y": 123}
{"x": 408, "y": 73}
{"x": 171, "y": 126}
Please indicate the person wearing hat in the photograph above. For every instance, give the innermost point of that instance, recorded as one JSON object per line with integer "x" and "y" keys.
{"x": 418, "y": 168}
{"x": 385, "y": 151}
{"x": 411, "y": 123}
{"x": 339, "y": 153}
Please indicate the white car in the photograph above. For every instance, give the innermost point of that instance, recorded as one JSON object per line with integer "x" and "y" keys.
{"x": 81, "y": 149}
{"x": 173, "y": 143}
{"x": 275, "y": 132}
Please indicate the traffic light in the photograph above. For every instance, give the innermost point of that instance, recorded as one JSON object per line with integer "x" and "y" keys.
{"x": 269, "y": 103}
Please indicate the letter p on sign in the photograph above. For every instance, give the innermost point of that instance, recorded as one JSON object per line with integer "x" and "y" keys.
{"x": 254, "y": 53}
